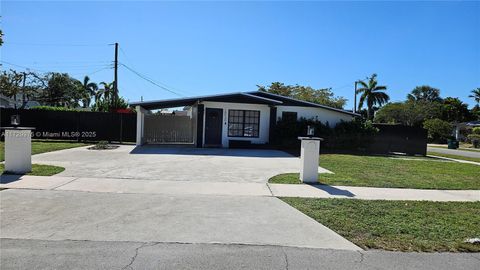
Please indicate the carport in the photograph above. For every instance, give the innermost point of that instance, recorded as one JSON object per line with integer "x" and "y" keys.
{"x": 203, "y": 122}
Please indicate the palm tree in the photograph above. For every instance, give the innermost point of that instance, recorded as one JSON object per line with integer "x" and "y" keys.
{"x": 373, "y": 94}
{"x": 89, "y": 90}
{"x": 106, "y": 92}
{"x": 475, "y": 95}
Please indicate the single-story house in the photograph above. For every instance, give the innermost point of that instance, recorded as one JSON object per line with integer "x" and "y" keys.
{"x": 224, "y": 119}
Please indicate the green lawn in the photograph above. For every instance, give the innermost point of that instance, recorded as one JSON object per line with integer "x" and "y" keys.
{"x": 379, "y": 171}
{"x": 40, "y": 170}
{"x": 398, "y": 225}
{"x": 44, "y": 146}
{"x": 454, "y": 156}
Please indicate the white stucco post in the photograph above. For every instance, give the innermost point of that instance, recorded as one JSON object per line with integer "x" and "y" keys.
{"x": 18, "y": 150}
{"x": 140, "y": 125}
{"x": 309, "y": 156}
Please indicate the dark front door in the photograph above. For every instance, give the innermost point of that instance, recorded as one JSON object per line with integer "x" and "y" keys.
{"x": 213, "y": 127}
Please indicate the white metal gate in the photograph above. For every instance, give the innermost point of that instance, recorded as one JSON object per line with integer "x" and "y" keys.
{"x": 168, "y": 128}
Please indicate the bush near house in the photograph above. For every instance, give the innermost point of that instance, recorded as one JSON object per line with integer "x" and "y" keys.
{"x": 474, "y": 138}
{"x": 352, "y": 135}
{"x": 57, "y": 109}
{"x": 438, "y": 130}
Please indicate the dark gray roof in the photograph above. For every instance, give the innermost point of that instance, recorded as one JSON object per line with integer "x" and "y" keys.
{"x": 288, "y": 101}
{"x": 255, "y": 97}
{"x": 240, "y": 97}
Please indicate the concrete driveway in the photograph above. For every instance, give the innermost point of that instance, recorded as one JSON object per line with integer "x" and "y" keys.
{"x": 172, "y": 164}
{"x": 86, "y": 204}
{"x": 73, "y": 215}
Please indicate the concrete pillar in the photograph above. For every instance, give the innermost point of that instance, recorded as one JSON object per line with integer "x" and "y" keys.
{"x": 18, "y": 150}
{"x": 140, "y": 125}
{"x": 310, "y": 151}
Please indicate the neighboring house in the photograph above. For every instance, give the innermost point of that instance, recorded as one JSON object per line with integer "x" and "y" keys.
{"x": 226, "y": 119}
{"x": 462, "y": 129}
{"x": 6, "y": 102}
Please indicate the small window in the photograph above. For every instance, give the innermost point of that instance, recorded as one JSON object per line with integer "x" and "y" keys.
{"x": 242, "y": 123}
{"x": 289, "y": 116}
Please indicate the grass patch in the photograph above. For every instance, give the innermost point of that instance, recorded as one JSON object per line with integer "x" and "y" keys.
{"x": 44, "y": 146}
{"x": 454, "y": 156}
{"x": 377, "y": 171}
{"x": 40, "y": 170}
{"x": 398, "y": 225}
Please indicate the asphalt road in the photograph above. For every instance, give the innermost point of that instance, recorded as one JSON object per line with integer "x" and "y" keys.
{"x": 66, "y": 254}
{"x": 454, "y": 152}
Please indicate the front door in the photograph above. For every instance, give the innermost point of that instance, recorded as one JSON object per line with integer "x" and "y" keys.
{"x": 213, "y": 127}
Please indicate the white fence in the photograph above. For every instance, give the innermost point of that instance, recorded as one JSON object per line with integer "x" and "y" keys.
{"x": 168, "y": 129}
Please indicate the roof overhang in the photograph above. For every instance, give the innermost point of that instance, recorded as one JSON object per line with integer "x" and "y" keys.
{"x": 189, "y": 101}
{"x": 288, "y": 101}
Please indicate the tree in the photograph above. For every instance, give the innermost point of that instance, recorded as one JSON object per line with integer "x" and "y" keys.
{"x": 107, "y": 99}
{"x": 408, "y": 113}
{"x": 372, "y": 94}
{"x": 425, "y": 93}
{"x": 322, "y": 96}
{"x": 11, "y": 83}
{"x": 62, "y": 90}
{"x": 475, "y": 95}
{"x": 454, "y": 110}
{"x": 438, "y": 130}
{"x": 89, "y": 91}
{"x": 1, "y": 37}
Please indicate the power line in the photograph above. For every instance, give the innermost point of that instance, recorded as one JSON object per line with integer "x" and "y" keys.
{"x": 149, "y": 80}
{"x": 43, "y": 71}
{"x": 55, "y": 44}
{"x": 20, "y": 66}
{"x": 163, "y": 84}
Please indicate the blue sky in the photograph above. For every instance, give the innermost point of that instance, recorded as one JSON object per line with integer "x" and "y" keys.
{"x": 196, "y": 48}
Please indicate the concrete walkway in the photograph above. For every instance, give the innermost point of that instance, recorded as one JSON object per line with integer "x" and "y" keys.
{"x": 456, "y": 160}
{"x": 369, "y": 193}
{"x": 115, "y": 185}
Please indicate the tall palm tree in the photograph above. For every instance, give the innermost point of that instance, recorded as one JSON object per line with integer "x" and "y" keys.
{"x": 476, "y": 95}
{"x": 89, "y": 91}
{"x": 373, "y": 94}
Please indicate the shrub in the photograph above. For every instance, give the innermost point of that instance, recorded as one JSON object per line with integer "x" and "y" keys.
{"x": 476, "y": 130}
{"x": 52, "y": 108}
{"x": 438, "y": 130}
{"x": 474, "y": 139}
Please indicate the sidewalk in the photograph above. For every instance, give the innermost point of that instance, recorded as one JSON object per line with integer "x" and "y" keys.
{"x": 115, "y": 185}
{"x": 369, "y": 193}
{"x": 456, "y": 160}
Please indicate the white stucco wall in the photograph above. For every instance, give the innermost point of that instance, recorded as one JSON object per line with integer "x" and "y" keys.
{"x": 264, "y": 120}
{"x": 320, "y": 114}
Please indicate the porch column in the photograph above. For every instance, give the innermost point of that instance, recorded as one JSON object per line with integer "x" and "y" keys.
{"x": 273, "y": 123}
{"x": 140, "y": 125}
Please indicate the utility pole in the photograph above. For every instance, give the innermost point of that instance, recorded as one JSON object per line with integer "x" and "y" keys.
{"x": 355, "y": 99}
{"x": 23, "y": 90}
{"x": 115, "y": 82}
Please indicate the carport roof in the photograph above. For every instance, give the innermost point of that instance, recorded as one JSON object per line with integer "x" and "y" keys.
{"x": 188, "y": 101}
